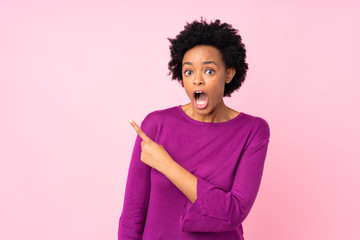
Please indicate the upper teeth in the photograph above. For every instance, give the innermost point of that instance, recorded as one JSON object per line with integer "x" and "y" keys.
{"x": 198, "y": 91}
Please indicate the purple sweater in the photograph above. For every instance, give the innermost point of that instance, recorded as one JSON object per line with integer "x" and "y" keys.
{"x": 228, "y": 160}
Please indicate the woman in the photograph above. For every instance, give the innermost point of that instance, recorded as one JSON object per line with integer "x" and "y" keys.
{"x": 196, "y": 169}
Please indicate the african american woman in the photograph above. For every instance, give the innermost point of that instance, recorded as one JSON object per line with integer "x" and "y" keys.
{"x": 196, "y": 169}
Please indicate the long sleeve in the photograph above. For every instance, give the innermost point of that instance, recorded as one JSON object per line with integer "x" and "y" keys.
{"x": 216, "y": 210}
{"x": 132, "y": 219}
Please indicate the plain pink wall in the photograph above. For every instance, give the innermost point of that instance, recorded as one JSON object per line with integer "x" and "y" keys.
{"x": 73, "y": 72}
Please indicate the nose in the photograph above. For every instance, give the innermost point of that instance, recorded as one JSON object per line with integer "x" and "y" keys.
{"x": 198, "y": 80}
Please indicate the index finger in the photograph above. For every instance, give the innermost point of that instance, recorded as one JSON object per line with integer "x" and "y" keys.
{"x": 139, "y": 131}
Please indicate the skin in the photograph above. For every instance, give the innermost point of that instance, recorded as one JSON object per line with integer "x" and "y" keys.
{"x": 203, "y": 68}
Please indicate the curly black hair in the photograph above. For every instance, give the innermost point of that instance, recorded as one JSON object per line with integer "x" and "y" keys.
{"x": 220, "y": 35}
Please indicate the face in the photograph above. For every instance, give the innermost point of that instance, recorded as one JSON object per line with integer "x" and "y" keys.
{"x": 203, "y": 69}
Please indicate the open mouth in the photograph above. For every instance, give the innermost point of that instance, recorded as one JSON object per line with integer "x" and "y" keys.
{"x": 201, "y": 99}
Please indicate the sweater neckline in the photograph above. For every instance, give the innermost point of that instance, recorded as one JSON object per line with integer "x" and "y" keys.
{"x": 208, "y": 123}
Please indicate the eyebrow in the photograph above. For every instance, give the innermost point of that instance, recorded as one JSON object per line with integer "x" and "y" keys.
{"x": 206, "y": 62}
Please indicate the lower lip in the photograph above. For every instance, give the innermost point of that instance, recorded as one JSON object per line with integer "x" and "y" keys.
{"x": 201, "y": 106}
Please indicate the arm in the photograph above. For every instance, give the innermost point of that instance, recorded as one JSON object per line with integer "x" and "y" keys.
{"x": 184, "y": 180}
{"x": 131, "y": 223}
{"x": 216, "y": 210}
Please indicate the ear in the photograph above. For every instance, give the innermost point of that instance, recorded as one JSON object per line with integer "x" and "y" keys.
{"x": 230, "y": 72}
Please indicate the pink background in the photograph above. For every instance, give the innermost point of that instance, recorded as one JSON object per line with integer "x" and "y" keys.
{"x": 73, "y": 72}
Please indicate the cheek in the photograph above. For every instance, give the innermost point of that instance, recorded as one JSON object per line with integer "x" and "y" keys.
{"x": 220, "y": 86}
{"x": 187, "y": 89}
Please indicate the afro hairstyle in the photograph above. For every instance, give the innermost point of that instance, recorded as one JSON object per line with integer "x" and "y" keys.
{"x": 220, "y": 35}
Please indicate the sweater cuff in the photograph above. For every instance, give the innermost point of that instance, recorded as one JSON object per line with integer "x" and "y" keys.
{"x": 205, "y": 209}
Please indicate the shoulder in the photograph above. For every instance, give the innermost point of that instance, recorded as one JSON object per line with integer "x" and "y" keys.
{"x": 259, "y": 127}
{"x": 154, "y": 119}
{"x": 158, "y": 115}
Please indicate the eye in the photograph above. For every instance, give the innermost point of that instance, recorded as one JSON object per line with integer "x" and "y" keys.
{"x": 209, "y": 71}
{"x": 187, "y": 72}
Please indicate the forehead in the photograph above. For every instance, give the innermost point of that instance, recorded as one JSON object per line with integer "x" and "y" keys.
{"x": 203, "y": 53}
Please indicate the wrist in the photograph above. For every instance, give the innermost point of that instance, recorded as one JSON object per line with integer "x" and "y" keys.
{"x": 166, "y": 165}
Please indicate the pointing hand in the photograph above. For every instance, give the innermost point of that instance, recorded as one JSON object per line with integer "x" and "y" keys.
{"x": 152, "y": 153}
